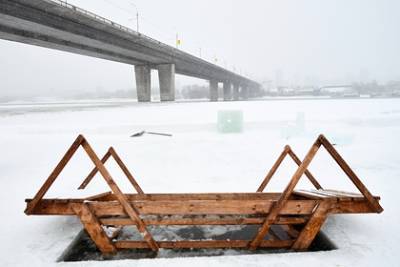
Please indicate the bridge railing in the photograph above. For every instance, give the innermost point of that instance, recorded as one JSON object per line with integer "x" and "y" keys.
{"x": 126, "y": 29}
{"x": 110, "y": 22}
{"x": 95, "y": 16}
{"x": 113, "y": 24}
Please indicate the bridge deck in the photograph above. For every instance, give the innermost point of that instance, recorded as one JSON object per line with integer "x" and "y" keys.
{"x": 59, "y": 25}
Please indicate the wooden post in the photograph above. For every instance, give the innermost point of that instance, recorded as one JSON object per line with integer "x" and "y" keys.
{"x": 94, "y": 228}
{"x": 273, "y": 214}
{"x": 374, "y": 204}
{"x": 112, "y": 153}
{"x": 130, "y": 210}
{"x": 311, "y": 229}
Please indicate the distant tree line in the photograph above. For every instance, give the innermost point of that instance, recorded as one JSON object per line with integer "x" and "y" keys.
{"x": 195, "y": 91}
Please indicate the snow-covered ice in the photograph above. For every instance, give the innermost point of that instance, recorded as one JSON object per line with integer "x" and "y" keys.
{"x": 199, "y": 159}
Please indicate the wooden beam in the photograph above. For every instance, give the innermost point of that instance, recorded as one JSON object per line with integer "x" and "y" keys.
{"x": 198, "y": 196}
{"x": 311, "y": 229}
{"x": 54, "y": 174}
{"x": 307, "y": 172}
{"x": 98, "y": 196}
{"x": 225, "y": 220}
{"x": 332, "y": 195}
{"x": 273, "y": 169}
{"x": 94, "y": 171}
{"x": 126, "y": 171}
{"x": 205, "y": 244}
{"x": 128, "y": 208}
{"x": 276, "y": 209}
{"x": 311, "y": 195}
{"x": 94, "y": 228}
{"x": 345, "y": 207}
{"x": 343, "y": 193}
{"x": 349, "y": 172}
{"x": 193, "y": 207}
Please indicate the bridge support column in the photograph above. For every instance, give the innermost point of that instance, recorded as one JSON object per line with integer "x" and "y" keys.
{"x": 244, "y": 92}
{"x": 235, "y": 91}
{"x": 227, "y": 91}
{"x": 213, "y": 90}
{"x": 166, "y": 76}
{"x": 143, "y": 83}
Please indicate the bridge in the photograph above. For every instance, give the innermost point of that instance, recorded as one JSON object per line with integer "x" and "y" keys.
{"x": 58, "y": 25}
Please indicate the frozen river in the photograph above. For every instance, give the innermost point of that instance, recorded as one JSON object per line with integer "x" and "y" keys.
{"x": 197, "y": 158}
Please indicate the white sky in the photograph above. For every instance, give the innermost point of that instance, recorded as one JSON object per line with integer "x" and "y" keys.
{"x": 306, "y": 40}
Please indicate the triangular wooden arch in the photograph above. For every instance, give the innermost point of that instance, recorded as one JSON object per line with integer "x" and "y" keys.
{"x": 112, "y": 153}
{"x": 286, "y": 151}
{"x": 130, "y": 210}
{"x": 321, "y": 141}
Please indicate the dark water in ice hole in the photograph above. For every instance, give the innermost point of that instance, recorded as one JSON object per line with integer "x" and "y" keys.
{"x": 82, "y": 247}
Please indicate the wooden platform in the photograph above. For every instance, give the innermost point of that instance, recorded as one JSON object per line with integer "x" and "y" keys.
{"x": 298, "y": 213}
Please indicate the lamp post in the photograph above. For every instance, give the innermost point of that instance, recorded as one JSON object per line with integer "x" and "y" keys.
{"x": 137, "y": 16}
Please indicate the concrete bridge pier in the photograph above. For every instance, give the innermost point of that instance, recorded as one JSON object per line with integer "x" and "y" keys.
{"x": 227, "y": 91}
{"x": 143, "y": 83}
{"x": 235, "y": 91}
{"x": 213, "y": 90}
{"x": 166, "y": 76}
{"x": 244, "y": 92}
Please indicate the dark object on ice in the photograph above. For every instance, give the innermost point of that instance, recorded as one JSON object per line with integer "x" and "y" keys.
{"x": 290, "y": 219}
{"x": 153, "y": 133}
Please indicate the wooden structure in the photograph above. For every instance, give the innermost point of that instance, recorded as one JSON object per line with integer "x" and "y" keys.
{"x": 299, "y": 213}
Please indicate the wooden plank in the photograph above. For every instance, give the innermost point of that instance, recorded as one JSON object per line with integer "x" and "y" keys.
{"x": 309, "y": 194}
{"x": 128, "y": 208}
{"x": 331, "y": 195}
{"x": 353, "y": 177}
{"x": 205, "y": 244}
{"x": 273, "y": 169}
{"x": 307, "y": 172}
{"x": 285, "y": 196}
{"x": 210, "y": 207}
{"x": 54, "y": 174}
{"x": 98, "y": 196}
{"x": 121, "y": 221}
{"x": 324, "y": 195}
{"x": 311, "y": 229}
{"x": 347, "y": 194}
{"x": 345, "y": 207}
{"x": 188, "y": 196}
{"x": 94, "y": 229}
{"x": 199, "y": 196}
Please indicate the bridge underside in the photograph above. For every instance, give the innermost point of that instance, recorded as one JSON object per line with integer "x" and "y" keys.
{"x": 68, "y": 28}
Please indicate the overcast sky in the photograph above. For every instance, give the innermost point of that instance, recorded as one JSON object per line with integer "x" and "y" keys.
{"x": 304, "y": 40}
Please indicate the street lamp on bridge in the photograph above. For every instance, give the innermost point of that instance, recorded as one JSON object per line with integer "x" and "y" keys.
{"x": 137, "y": 16}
